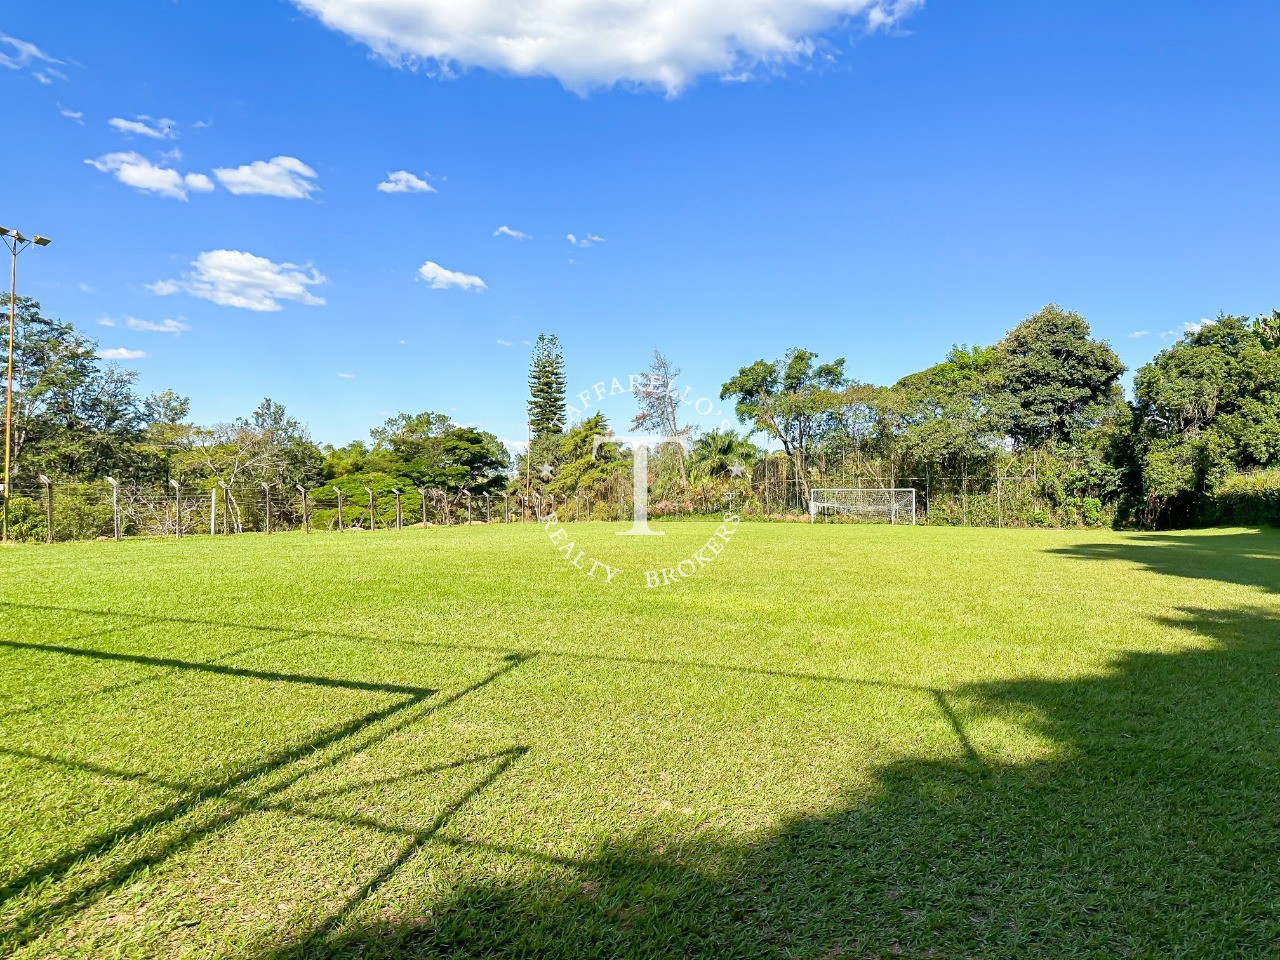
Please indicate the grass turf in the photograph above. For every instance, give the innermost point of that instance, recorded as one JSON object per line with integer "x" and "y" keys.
{"x": 833, "y": 741}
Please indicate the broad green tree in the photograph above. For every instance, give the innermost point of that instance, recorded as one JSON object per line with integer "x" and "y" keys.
{"x": 1054, "y": 379}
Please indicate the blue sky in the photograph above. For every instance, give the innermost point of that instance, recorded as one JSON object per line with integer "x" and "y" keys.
{"x": 876, "y": 186}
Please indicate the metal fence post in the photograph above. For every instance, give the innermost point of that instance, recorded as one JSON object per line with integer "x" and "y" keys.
{"x": 213, "y": 511}
{"x": 372, "y": 509}
{"x": 422, "y": 492}
{"x": 115, "y": 506}
{"x": 339, "y": 493}
{"x": 48, "y": 508}
{"x": 488, "y": 503}
{"x": 399, "y": 513}
{"x": 266, "y": 489}
{"x": 506, "y": 508}
{"x": 468, "y": 496}
{"x": 177, "y": 509}
{"x": 306, "y": 525}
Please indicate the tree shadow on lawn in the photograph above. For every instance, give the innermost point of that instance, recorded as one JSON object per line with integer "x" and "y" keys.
{"x": 1152, "y": 829}
{"x": 1249, "y": 559}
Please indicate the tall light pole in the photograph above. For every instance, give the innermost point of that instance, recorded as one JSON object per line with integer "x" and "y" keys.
{"x": 16, "y": 243}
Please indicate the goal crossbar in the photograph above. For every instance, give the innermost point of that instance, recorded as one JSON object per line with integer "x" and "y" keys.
{"x": 886, "y": 504}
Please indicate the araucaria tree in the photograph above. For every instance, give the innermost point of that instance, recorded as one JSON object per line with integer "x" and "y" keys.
{"x": 547, "y": 387}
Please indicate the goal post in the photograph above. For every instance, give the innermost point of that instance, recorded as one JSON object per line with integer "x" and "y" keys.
{"x": 870, "y": 504}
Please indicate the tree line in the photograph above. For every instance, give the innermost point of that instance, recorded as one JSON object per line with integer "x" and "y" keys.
{"x": 1033, "y": 429}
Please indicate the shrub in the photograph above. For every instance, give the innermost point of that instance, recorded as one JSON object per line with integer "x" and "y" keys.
{"x": 1247, "y": 499}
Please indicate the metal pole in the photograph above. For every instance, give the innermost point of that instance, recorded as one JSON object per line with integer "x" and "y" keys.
{"x": 213, "y": 511}
{"x": 468, "y": 508}
{"x": 399, "y": 513}
{"x": 487, "y": 504}
{"x": 339, "y": 493}
{"x": 372, "y": 508}
{"x": 306, "y": 528}
{"x": 8, "y": 396}
{"x": 48, "y": 508}
{"x": 16, "y": 243}
{"x": 115, "y": 507}
{"x": 422, "y": 492}
{"x": 506, "y": 508}
{"x": 266, "y": 488}
{"x": 177, "y": 508}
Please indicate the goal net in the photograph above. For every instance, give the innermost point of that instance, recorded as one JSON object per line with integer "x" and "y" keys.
{"x": 886, "y": 505}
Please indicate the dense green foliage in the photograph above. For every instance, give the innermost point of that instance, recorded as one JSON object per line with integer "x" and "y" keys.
{"x": 836, "y": 742}
{"x": 1033, "y": 430}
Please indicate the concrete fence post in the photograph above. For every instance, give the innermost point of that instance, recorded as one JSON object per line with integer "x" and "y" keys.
{"x": 115, "y": 506}
{"x": 177, "y": 509}
{"x": 306, "y": 525}
{"x": 266, "y": 490}
{"x": 48, "y": 508}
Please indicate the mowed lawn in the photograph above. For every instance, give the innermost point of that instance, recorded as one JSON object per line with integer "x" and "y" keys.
{"x": 833, "y": 741}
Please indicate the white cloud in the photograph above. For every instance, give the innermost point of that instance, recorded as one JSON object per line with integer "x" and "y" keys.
{"x": 137, "y": 171}
{"x": 85, "y": 288}
{"x": 661, "y": 44}
{"x": 233, "y": 278}
{"x": 346, "y": 376}
{"x": 121, "y": 353}
{"x": 143, "y": 126}
{"x": 76, "y": 115}
{"x": 590, "y": 240}
{"x": 1139, "y": 333}
{"x": 505, "y": 231}
{"x": 402, "y": 181}
{"x": 26, "y": 55}
{"x": 442, "y": 279}
{"x": 286, "y": 177}
{"x": 147, "y": 326}
{"x": 1188, "y": 327}
{"x": 505, "y": 343}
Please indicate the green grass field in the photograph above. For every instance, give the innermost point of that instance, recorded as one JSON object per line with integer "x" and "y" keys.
{"x": 835, "y": 741}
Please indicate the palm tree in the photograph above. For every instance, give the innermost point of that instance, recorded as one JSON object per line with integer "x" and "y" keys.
{"x": 722, "y": 453}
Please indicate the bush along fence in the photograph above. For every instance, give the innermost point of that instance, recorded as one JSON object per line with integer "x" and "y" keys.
{"x": 54, "y": 511}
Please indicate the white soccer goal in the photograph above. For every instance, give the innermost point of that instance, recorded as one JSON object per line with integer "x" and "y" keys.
{"x": 887, "y": 505}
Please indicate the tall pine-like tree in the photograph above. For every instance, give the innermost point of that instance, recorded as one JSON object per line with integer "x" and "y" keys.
{"x": 547, "y": 387}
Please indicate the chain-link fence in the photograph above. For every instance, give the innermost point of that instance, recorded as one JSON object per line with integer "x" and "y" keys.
{"x": 771, "y": 490}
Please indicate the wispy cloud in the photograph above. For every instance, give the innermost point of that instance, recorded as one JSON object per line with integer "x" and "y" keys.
{"x": 121, "y": 353}
{"x": 505, "y": 231}
{"x": 346, "y": 376}
{"x": 286, "y": 177}
{"x": 135, "y": 170}
{"x": 146, "y": 326}
{"x": 442, "y": 279}
{"x": 402, "y": 181}
{"x": 505, "y": 343}
{"x": 233, "y": 278}
{"x": 76, "y": 115}
{"x": 26, "y": 56}
{"x": 144, "y": 126}
{"x": 590, "y": 240}
{"x": 1139, "y": 333}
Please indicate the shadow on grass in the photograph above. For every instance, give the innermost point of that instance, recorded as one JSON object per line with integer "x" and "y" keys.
{"x": 208, "y": 809}
{"x": 1150, "y": 829}
{"x": 1249, "y": 559}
